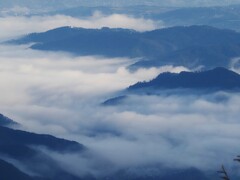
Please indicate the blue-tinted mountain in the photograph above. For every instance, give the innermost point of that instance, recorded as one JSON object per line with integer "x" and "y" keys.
{"x": 217, "y": 16}
{"x": 24, "y": 146}
{"x": 8, "y": 172}
{"x": 215, "y": 79}
{"x": 56, "y": 4}
{"x": 114, "y": 101}
{"x": 5, "y": 121}
{"x": 187, "y": 46}
{"x": 220, "y": 16}
{"x": 17, "y": 137}
{"x": 167, "y": 174}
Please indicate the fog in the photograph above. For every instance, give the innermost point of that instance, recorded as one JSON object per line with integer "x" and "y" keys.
{"x": 12, "y": 26}
{"x": 62, "y": 95}
{"x": 64, "y": 82}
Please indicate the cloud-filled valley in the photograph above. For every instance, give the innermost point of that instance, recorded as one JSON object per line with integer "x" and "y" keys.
{"x": 146, "y": 134}
{"x": 61, "y": 94}
{"x": 62, "y": 80}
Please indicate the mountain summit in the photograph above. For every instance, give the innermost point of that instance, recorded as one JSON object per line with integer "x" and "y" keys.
{"x": 218, "y": 78}
{"x": 190, "y": 46}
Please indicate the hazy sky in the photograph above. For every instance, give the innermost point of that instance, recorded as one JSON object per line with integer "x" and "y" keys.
{"x": 72, "y": 3}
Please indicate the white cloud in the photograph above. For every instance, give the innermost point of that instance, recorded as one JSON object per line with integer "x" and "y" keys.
{"x": 35, "y": 79}
{"x": 15, "y": 11}
{"x": 235, "y": 64}
{"x": 19, "y": 25}
{"x": 60, "y": 94}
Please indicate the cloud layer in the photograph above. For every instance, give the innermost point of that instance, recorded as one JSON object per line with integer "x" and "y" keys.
{"x": 61, "y": 95}
{"x": 20, "y": 25}
{"x": 63, "y": 80}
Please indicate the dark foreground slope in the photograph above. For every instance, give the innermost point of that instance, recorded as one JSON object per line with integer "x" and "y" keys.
{"x": 187, "y": 46}
{"x": 22, "y": 157}
{"x": 5, "y": 121}
{"x": 8, "y": 172}
{"x": 24, "y": 148}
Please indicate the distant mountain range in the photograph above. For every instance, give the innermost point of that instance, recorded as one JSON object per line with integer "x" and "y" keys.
{"x": 216, "y": 79}
{"x": 217, "y": 16}
{"x": 202, "y": 82}
{"x": 56, "y": 4}
{"x": 186, "y": 46}
{"x": 138, "y": 11}
{"x": 220, "y": 17}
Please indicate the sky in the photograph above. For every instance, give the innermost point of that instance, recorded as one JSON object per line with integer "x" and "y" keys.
{"x": 60, "y": 4}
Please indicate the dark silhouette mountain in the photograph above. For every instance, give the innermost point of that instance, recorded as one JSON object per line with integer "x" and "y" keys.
{"x": 114, "y": 101}
{"x": 5, "y": 121}
{"x": 24, "y": 147}
{"x": 218, "y": 78}
{"x": 220, "y": 16}
{"x": 166, "y": 174}
{"x": 187, "y": 174}
{"x": 187, "y": 46}
{"x": 9, "y": 172}
{"x": 17, "y": 137}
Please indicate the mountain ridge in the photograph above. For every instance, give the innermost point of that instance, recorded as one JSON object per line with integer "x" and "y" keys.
{"x": 218, "y": 78}
{"x": 190, "y": 46}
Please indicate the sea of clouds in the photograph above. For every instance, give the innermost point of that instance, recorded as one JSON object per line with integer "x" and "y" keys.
{"x": 61, "y": 94}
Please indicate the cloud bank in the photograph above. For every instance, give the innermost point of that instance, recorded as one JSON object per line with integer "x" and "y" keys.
{"x": 20, "y": 25}
{"x": 61, "y": 95}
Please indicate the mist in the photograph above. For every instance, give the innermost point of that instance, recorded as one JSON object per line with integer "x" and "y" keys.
{"x": 60, "y": 94}
{"x": 13, "y": 26}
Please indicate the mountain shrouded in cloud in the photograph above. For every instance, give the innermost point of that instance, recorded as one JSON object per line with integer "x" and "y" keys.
{"x": 202, "y": 82}
{"x": 21, "y": 25}
{"x": 61, "y": 95}
{"x": 27, "y": 150}
{"x": 175, "y": 114}
{"x": 23, "y": 147}
{"x": 216, "y": 79}
{"x": 191, "y": 46}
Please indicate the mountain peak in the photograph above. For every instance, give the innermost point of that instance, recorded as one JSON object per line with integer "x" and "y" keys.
{"x": 5, "y": 121}
{"x": 218, "y": 78}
